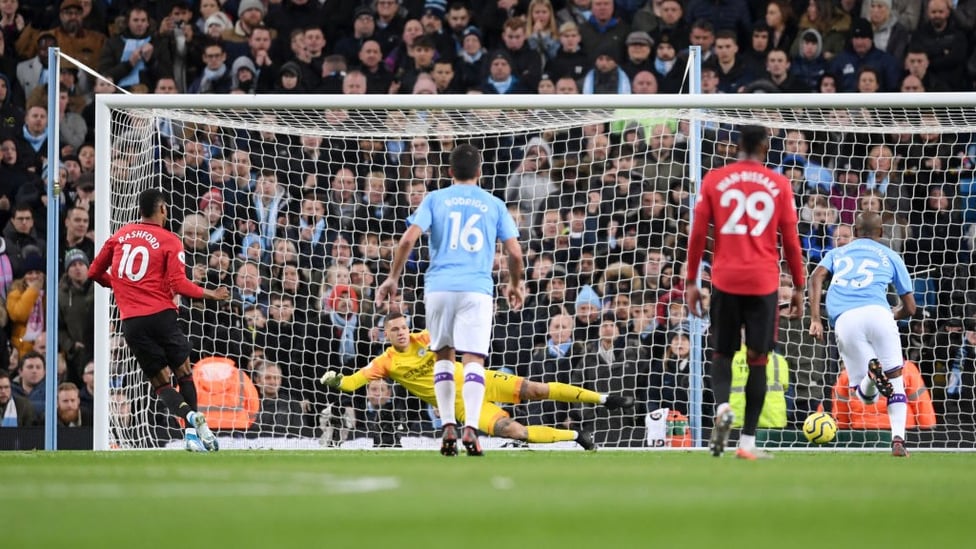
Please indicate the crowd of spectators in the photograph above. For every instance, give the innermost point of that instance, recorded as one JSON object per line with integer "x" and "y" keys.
{"x": 303, "y": 228}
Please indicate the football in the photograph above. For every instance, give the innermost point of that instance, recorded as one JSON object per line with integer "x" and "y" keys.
{"x": 819, "y": 428}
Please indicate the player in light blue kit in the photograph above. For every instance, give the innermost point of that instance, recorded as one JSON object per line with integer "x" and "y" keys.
{"x": 867, "y": 336}
{"x": 464, "y": 222}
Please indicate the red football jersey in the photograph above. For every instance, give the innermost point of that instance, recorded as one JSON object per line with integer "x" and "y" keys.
{"x": 147, "y": 269}
{"x": 750, "y": 206}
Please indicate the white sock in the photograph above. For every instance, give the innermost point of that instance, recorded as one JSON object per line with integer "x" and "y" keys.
{"x": 473, "y": 392}
{"x": 747, "y": 442}
{"x": 868, "y": 392}
{"x": 603, "y": 399}
{"x": 444, "y": 390}
{"x": 191, "y": 431}
{"x": 898, "y": 407}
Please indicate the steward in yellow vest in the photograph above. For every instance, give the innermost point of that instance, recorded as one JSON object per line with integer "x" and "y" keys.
{"x": 778, "y": 378}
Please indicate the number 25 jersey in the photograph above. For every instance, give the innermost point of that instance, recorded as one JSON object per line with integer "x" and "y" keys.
{"x": 464, "y": 222}
{"x": 862, "y": 271}
{"x": 749, "y": 206}
{"x": 147, "y": 269}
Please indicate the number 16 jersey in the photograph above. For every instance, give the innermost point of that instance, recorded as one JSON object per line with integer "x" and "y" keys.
{"x": 750, "y": 206}
{"x": 147, "y": 270}
{"x": 464, "y": 222}
{"x": 862, "y": 271}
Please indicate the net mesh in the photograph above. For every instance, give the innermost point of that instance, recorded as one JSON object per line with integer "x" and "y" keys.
{"x": 285, "y": 206}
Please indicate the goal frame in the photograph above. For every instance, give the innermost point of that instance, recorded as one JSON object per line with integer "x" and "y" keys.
{"x": 104, "y": 103}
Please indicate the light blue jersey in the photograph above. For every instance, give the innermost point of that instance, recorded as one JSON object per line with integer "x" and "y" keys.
{"x": 464, "y": 222}
{"x": 862, "y": 272}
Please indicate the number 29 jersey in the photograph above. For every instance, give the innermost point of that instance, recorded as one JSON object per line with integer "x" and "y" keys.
{"x": 464, "y": 222}
{"x": 750, "y": 206}
{"x": 147, "y": 270}
{"x": 862, "y": 271}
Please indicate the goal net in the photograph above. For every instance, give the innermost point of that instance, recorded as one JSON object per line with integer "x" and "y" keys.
{"x": 297, "y": 203}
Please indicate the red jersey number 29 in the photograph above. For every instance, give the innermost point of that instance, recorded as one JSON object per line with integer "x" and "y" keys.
{"x": 758, "y": 206}
{"x": 127, "y": 265}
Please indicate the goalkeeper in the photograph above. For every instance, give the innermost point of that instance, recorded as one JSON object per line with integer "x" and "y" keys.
{"x": 410, "y": 363}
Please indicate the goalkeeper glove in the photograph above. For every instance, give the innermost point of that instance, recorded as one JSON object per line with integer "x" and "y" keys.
{"x": 331, "y": 379}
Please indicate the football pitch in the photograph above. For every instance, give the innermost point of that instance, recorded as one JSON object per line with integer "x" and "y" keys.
{"x": 239, "y": 499}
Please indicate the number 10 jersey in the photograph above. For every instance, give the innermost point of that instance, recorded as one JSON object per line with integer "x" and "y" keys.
{"x": 147, "y": 270}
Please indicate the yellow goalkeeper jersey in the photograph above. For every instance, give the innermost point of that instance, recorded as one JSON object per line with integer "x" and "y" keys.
{"x": 413, "y": 368}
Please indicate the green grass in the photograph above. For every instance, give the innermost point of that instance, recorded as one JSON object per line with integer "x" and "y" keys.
{"x": 338, "y": 499}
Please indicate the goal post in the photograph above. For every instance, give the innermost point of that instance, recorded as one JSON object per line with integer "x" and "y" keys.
{"x": 603, "y": 186}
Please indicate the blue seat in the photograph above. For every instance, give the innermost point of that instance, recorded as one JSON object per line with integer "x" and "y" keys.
{"x": 925, "y": 292}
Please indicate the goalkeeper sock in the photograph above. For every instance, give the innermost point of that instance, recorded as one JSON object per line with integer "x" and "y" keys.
{"x": 898, "y": 407}
{"x": 563, "y": 392}
{"x": 444, "y": 390}
{"x": 174, "y": 402}
{"x": 473, "y": 392}
{"x": 867, "y": 391}
{"x": 541, "y": 433}
{"x": 188, "y": 390}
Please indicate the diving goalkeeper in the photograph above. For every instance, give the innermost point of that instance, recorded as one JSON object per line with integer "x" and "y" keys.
{"x": 410, "y": 363}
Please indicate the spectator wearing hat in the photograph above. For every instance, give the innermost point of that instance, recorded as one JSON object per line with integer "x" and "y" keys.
{"x": 432, "y": 19}
{"x": 134, "y": 58}
{"x": 863, "y": 52}
{"x": 832, "y": 23}
{"x": 809, "y": 64}
{"x": 500, "y": 79}
{"x": 243, "y": 75}
{"x": 526, "y": 62}
{"x": 570, "y": 60}
{"x": 665, "y": 60}
{"x": 470, "y": 64}
{"x": 250, "y": 15}
{"x": 946, "y": 44}
{"x": 70, "y": 35}
{"x": 363, "y": 28}
{"x": 25, "y": 303}
{"x": 290, "y": 79}
{"x": 606, "y": 76}
{"x": 639, "y": 56}
{"x": 587, "y": 311}
{"x": 76, "y": 332}
{"x": 890, "y": 35}
{"x": 603, "y": 28}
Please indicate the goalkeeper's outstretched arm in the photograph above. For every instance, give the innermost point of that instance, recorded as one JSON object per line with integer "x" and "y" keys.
{"x": 347, "y": 384}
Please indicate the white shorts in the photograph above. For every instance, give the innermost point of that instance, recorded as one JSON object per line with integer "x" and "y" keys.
{"x": 460, "y": 320}
{"x": 865, "y": 333}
